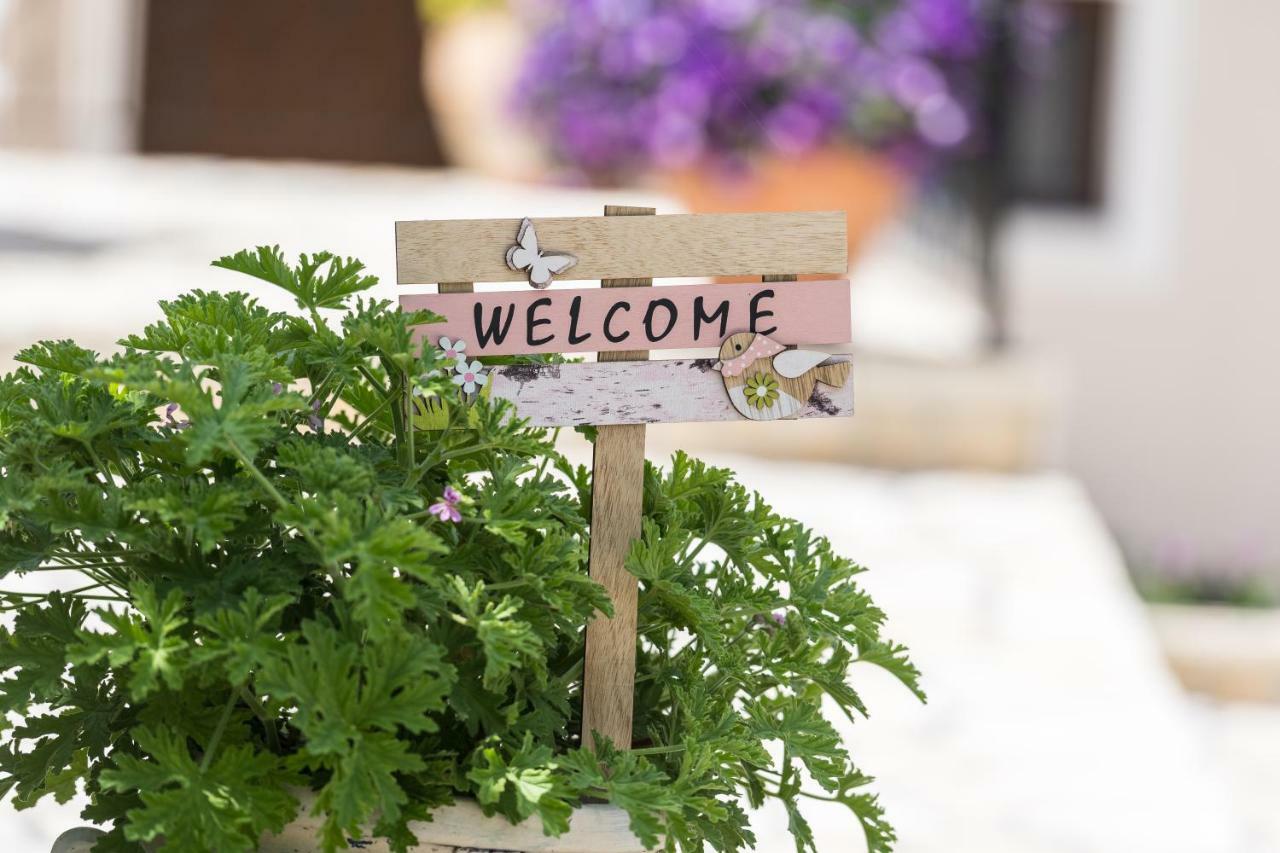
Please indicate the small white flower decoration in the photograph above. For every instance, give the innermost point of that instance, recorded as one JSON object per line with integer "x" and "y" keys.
{"x": 469, "y": 376}
{"x": 453, "y": 350}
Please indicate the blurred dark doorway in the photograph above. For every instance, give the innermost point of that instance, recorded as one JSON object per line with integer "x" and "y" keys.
{"x": 307, "y": 79}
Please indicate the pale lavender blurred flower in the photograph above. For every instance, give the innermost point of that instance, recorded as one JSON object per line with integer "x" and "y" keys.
{"x": 772, "y": 621}
{"x": 277, "y": 389}
{"x": 171, "y": 421}
{"x": 446, "y": 509}
{"x": 315, "y": 421}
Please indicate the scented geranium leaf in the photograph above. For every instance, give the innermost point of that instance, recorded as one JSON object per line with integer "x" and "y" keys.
{"x": 318, "y": 468}
{"x": 506, "y": 641}
{"x": 799, "y": 827}
{"x": 627, "y": 781}
{"x": 406, "y": 680}
{"x": 244, "y": 415}
{"x": 375, "y": 330}
{"x": 880, "y": 835}
{"x": 69, "y": 407}
{"x": 241, "y": 638}
{"x": 385, "y": 552}
{"x": 322, "y": 280}
{"x": 150, "y": 643}
{"x": 79, "y": 727}
{"x": 352, "y": 702}
{"x": 225, "y": 804}
{"x": 480, "y": 711}
{"x": 378, "y": 597}
{"x": 35, "y": 651}
{"x": 363, "y": 783}
{"x": 892, "y": 657}
{"x": 670, "y": 594}
{"x": 806, "y": 735}
{"x": 58, "y": 357}
{"x": 522, "y": 785}
{"x": 203, "y": 324}
{"x": 24, "y": 545}
{"x": 343, "y": 689}
{"x": 200, "y": 512}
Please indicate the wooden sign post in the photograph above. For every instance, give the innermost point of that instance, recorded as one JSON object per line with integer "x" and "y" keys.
{"x": 756, "y": 375}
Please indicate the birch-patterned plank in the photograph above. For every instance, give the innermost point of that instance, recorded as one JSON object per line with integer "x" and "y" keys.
{"x": 651, "y": 392}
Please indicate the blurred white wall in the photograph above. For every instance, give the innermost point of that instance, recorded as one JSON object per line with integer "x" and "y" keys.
{"x": 1163, "y": 309}
{"x": 71, "y": 73}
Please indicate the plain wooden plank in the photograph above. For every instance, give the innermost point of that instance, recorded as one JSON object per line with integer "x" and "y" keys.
{"x": 574, "y": 320}
{"x": 613, "y": 247}
{"x": 617, "y": 498}
{"x": 668, "y": 391}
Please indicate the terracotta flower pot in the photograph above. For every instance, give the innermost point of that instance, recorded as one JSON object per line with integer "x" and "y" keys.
{"x": 460, "y": 827}
{"x": 837, "y": 178}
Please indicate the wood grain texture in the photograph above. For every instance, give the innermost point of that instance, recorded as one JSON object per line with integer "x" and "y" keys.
{"x": 586, "y": 320}
{"x": 655, "y": 392}
{"x": 617, "y": 494}
{"x": 618, "y": 246}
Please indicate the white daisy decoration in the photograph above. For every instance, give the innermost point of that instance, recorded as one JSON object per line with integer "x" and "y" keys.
{"x": 469, "y": 376}
{"x": 453, "y": 350}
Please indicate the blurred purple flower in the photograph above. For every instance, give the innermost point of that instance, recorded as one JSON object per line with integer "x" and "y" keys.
{"x": 171, "y": 421}
{"x": 316, "y": 422}
{"x": 773, "y": 621}
{"x": 619, "y": 87}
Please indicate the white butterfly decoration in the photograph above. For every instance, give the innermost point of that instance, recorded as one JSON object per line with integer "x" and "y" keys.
{"x": 541, "y": 265}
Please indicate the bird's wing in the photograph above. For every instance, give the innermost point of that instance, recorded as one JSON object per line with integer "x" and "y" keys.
{"x": 797, "y": 362}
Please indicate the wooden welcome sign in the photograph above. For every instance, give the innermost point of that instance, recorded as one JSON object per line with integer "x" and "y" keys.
{"x": 758, "y": 329}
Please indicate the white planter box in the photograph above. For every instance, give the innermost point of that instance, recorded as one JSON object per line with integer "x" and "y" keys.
{"x": 1231, "y": 653}
{"x": 460, "y": 828}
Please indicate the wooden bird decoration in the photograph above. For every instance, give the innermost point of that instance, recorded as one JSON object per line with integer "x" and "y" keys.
{"x": 766, "y": 381}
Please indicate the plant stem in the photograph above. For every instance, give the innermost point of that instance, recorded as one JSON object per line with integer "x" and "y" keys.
{"x": 334, "y": 571}
{"x": 269, "y": 726}
{"x": 10, "y": 592}
{"x": 658, "y": 750}
{"x": 217, "y": 732}
{"x": 368, "y": 419}
{"x": 259, "y": 476}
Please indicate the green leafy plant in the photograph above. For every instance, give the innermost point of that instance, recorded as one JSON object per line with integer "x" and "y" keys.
{"x": 270, "y": 581}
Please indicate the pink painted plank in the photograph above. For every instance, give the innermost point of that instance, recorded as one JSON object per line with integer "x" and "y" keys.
{"x": 583, "y": 319}
{"x": 637, "y": 392}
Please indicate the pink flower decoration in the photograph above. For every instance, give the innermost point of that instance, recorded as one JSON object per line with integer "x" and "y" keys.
{"x": 469, "y": 376}
{"x": 453, "y": 350}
